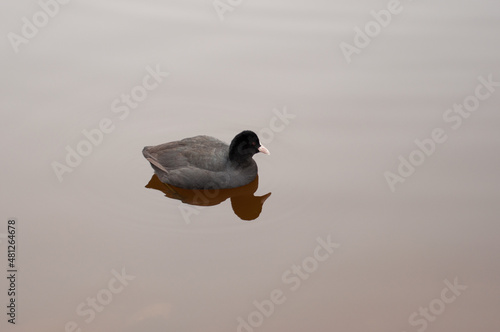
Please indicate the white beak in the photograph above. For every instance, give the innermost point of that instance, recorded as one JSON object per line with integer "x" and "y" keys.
{"x": 263, "y": 149}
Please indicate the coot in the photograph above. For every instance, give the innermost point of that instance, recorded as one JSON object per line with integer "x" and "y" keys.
{"x": 204, "y": 162}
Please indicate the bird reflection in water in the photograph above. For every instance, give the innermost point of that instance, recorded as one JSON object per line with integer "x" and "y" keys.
{"x": 245, "y": 204}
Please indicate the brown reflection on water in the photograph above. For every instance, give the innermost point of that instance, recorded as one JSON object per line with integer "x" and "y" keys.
{"x": 245, "y": 204}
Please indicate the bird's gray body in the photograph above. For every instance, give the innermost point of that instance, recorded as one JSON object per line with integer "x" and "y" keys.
{"x": 199, "y": 162}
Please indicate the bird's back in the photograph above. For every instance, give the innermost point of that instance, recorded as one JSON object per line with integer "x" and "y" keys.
{"x": 202, "y": 152}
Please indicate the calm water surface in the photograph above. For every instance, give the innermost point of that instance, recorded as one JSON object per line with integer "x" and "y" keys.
{"x": 333, "y": 130}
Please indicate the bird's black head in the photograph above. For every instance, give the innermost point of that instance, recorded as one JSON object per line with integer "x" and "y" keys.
{"x": 244, "y": 146}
